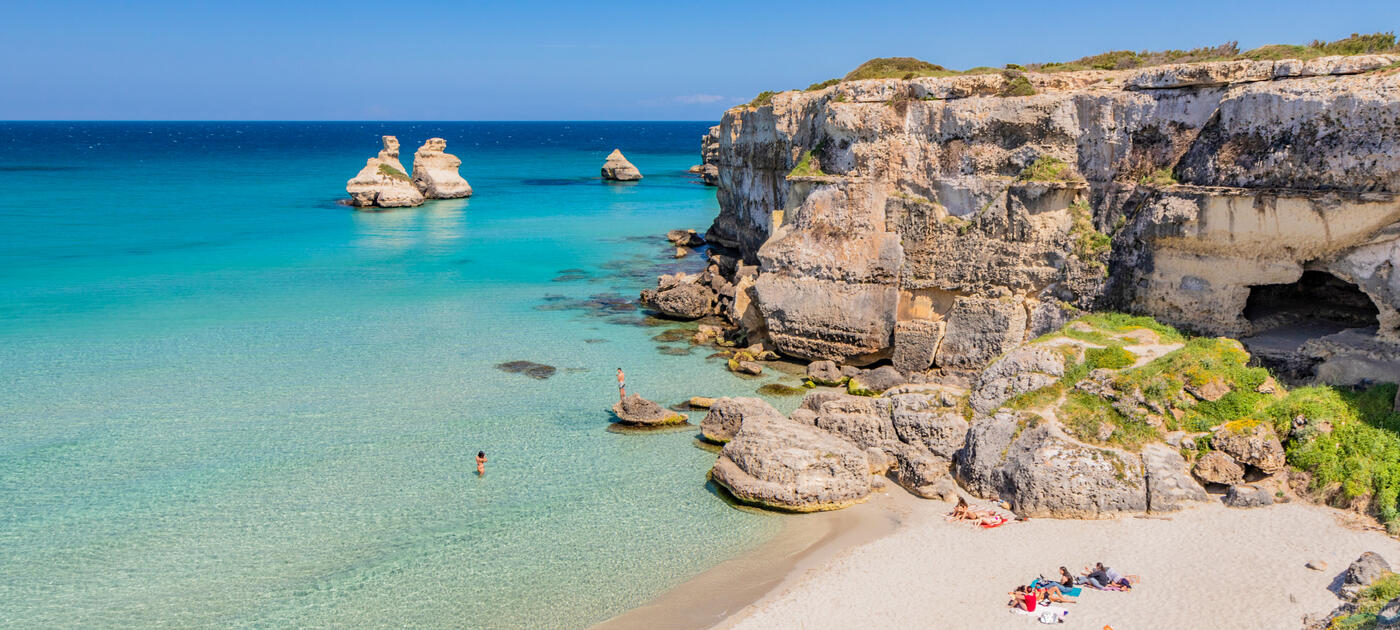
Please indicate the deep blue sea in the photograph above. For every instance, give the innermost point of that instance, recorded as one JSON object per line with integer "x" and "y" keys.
{"x": 229, "y": 401}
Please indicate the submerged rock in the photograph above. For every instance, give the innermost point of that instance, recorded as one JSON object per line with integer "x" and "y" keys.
{"x": 383, "y": 182}
{"x": 435, "y": 172}
{"x": 637, "y": 411}
{"x": 617, "y": 168}
{"x": 528, "y": 368}
{"x": 784, "y": 465}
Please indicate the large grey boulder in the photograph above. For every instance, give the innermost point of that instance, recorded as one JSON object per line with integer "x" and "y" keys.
{"x": 930, "y": 421}
{"x": 1022, "y": 370}
{"x": 1248, "y": 495}
{"x": 862, "y": 420}
{"x": 435, "y": 172}
{"x": 684, "y": 298}
{"x": 1252, "y": 444}
{"x": 872, "y": 382}
{"x": 1169, "y": 486}
{"x": 726, "y": 415}
{"x": 815, "y": 399}
{"x": 617, "y": 168}
{"x": 1044, "y": 473}
{"x": 1364, "y": 571}
{"x": 784, "y": 465}
{"x": 1217, "y": 467}
{"x": 637, "y": 411}
{"x": 978, "y": 330}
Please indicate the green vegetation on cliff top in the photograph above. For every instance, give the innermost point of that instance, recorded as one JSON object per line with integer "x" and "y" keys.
{"x": 385, "y": 169}
{"x": 910, "y": 67}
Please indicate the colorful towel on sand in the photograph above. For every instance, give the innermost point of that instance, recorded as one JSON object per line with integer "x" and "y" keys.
{"x": 1067, "y": 592}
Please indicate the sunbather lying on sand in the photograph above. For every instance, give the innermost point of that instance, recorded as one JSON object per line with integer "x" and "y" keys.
{"x": 1107, "y": 579}
{"x": 985, "y": 518}
{"x": 1052, "y": 593}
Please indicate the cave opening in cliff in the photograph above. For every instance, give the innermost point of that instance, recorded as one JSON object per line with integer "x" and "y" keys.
{"x": 1318, "y": 299}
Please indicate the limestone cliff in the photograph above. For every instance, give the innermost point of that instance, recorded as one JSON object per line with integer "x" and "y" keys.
{"x": 942, "y": 221}
{"x": 435, "y": 172}
{"x": 383, "y": 182}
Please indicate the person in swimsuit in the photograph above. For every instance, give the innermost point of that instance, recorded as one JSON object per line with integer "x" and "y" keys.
{"x": 480, "y": 463}
{"x": 621, "y": 385}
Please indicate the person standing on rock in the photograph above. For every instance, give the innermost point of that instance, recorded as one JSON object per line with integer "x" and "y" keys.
{"x": 621, "y": 385}
{"x": 480, "y": 463}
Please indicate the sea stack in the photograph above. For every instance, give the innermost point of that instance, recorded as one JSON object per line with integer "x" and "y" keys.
{"x": 617, "y": 168}
{"x": 383, "y": 181}
{"x": 435, "y": 172}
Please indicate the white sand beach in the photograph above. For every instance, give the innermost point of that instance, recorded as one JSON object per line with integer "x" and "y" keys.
{"x": 1206, "y": 567}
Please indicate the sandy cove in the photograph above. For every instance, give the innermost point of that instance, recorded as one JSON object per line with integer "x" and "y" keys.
{"x": 1209, "y": 566}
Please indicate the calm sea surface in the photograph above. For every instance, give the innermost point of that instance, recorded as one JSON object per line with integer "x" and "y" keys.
{"x": 228, "y": 401}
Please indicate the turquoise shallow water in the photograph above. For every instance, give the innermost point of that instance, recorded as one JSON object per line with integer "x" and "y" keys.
{"x": 231, "y": 402}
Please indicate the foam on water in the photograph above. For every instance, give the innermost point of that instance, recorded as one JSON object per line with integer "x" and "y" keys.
{"x": 231, "y": 402}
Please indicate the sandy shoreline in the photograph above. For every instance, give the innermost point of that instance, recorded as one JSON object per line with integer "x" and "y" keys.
{"x": 895, "y": 562}
{"x": 806, "y": 541}
{"x": 1210, "y": 566}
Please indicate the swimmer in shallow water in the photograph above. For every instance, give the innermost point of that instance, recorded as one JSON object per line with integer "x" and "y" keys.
{"x": 480, "y": 463}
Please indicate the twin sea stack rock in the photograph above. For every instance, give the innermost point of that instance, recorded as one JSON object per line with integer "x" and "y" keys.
{"x": 384, "y": 182}
{"x": 617, "y": 168}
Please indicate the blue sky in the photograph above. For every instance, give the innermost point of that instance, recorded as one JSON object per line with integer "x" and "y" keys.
{"x": 611, "y": 60}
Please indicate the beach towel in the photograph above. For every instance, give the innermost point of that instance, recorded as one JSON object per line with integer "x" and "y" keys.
{"x": 1000, "y": 520}
{"x": 1059, "y": 611}
{"x": 1067, "y": 592}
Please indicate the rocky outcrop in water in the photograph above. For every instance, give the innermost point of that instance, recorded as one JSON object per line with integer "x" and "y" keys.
{"x": 938, "y": 223}
{"x": 785, "y": 465}
{"x": 435, "y": 172}
{"x": 383, "y": 181}
{"x": 708, "y": 168}
{"x": 727, "y": 415}
{"x": 617, "y": 168}
{"x": 637, "y": 411}
{"x": 680, "y": 296}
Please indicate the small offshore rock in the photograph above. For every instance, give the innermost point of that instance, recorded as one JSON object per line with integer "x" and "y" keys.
{"x": 637, "y": 411}
{"x": 435, "y": 172}
{"x": 383, "y": 182}
{"x": 701, "y": 402}
{"x": 617, "y": 168}
{"x": 685, "y": 238}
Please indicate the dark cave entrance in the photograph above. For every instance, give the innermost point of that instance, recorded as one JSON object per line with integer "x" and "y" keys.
{"x": 1318, "y": 299}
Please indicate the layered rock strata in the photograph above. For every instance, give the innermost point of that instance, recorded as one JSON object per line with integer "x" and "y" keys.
{"x": 708, "y": 168}
{"x": 435, "y": 172}
{"x": 383, "y": 182}
{"x": 902, "y": 219}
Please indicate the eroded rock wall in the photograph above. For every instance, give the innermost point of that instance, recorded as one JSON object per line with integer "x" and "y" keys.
{"x": 1186, "y": 186}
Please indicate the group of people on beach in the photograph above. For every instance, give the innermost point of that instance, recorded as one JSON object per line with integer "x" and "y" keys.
{"x": 1042, "y": 592}
{"x": 984, "y": 518}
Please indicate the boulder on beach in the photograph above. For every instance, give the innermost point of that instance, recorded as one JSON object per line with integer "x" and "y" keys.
{"x": 435, "y": 172}
{"x": 1217, "y": 467}
{"x": 637, "y": 411}
{"x": 1251, "y": 443}
{"x": 383, "y": 182}
{"x": 617, "y": 168}
{"x": 784, "y": 465}
{"x": 727, "y": 415}
{"x": 1248, "y": 495}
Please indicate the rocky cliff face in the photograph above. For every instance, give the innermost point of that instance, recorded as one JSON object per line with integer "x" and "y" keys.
{"x": 916, "y": 219}
{"x": 383, "y": 181}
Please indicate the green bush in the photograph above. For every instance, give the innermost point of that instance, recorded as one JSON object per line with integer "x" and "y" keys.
{"x": 1112, "y": 357}
{"x": 822, "y": 85}
{"x": 764, "y": 98}
{"x": 1159, "y": 177}
{"x": 805, "y": 168}
{"x": 1017, "y": 85}
{"x": 1361, "y": 454}
{"x": 385, "y": 169}
{"x": 1084, "y": 415}
{"x": 1048, "y": 168}
{"x": 895, "y": 68}
{"x": 1089, "y": 242}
